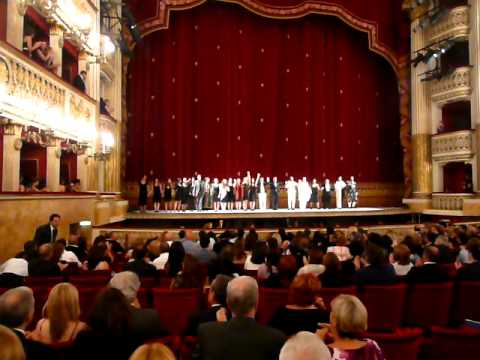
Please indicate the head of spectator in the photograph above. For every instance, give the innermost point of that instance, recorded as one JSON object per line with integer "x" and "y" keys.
{"x": 98, "y": 258}
{"x": 218, "y": 290}
{"x": 303, "y": 290}
{"x": 176, "y": 255}
{"x": 45, "y": 252}
{"x": 242, "y": 296}
{"x": 181, "y": 234}
{"x": 348, "y": 317}
{"x": 10, "y": 346}
{"x": 332, "y": 263}
{"x": 251, "y": 239}
{"x": 191, "y": 275}
{"x": 128, "y": 283}
{"x": 315, "y": 256}
{"x": 356, "y": 248}
{"x": 154, "y": 351}
{"x": 430, "y": 254}
{"x": 111, "y": 314}
{"x": 54, "y": 220}
{"x": 58, "y": 248}
{"x": 375, "y": 255}
{"x": 287, "y": 269}
{"x": 401, "y": 254}
{"x": 305, "y": 346}
{"x": 340, "y": 238}
{"x": 473, "y": 247}
{"x": 152, "y": 248}
{"x": 17, "y": 307}
{"x": 259, "y": 253}
{"x": 204, "y": 239}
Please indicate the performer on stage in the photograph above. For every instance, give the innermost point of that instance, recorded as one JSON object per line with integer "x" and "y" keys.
{"x": 245, "y": 192}
{"x": 352, "y": 193}
{"x": 198, "y": 192}
{"x": 339, "y": 186}
{"x": 177, "y": 203}
{"x": 252, "y": 194}
{"x": 207, "y": 199}
{"x": 314, "y": 200}
{"x": 304, "y": 193}
{"x": 167, "y": 194}
{"x": 291, "y": 187}
{"x": 274, "y": 190}
{"x": 157, "y": 195}
{"x": 185, "y": 193}
{"x": 223, "y": 194}
{"x": 231, "y": 194}
{"x": 262, "y": 194}
{"x": 143, "y": 194}
{"x": 326, "y": 195}
{"x": 238, "y": 190}
{"x": 214, "y": 193}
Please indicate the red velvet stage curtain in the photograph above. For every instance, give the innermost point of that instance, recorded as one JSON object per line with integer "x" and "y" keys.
{"x": 223, "y": 91}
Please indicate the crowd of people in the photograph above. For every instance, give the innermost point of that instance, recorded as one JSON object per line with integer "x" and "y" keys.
{"x": 248, "y": 193}
{"x": 303, "y": 262}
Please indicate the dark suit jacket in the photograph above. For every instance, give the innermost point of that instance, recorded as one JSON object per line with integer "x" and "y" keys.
{"x": 202, "y": 317}
{"x": 43, "y": 235}
{"x": 239, "y": 339}
{"x": 39, "y": 267}
{"x": 429, "y": 273}
{"x": 79, "y": 83}
{"x": 376, "y": 275}
{"x": 34, "y": 350}
{"x": 141, "y": 268}
{"x": 146, "y": 324}
{"x": 469, "y": 272}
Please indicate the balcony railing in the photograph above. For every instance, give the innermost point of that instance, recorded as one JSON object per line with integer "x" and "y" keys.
{"x": 441, "y": 201}
{"x": 453, "y": 87}
{"x": 32, "y": 95}
{"x": 458, "y": 145}
{"x": 454, "y": 25}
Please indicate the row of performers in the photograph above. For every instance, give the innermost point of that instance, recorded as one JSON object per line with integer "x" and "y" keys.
{"x": 200, "y": 193}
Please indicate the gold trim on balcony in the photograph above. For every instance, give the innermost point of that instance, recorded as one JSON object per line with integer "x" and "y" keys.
{"x": 454, "y": 25}
{"x": 457, "y": 145}
{"x": 453, "y": 87}
{"x": 445, "y": 201}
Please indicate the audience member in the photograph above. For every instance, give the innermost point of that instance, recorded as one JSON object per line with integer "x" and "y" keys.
{"x": 155, "y": 351}
{"x": 152, "y": 248}
{"x": 98, "y": 256}
{"x": 191, "y": 275}
{"x": 304, "y": 310}
{"x": 471, "y": 271}
{"x": 258, "y": 256}
{"x": 269, "y": 267}
{"x": 223, "y": 264}
{"x": 378, "y": 270}
{"x": 240, "y": 338}
{"x": 74, "y": 244}
{"x": 333, "y": 276}
{"x": 287, "y": 269}
{"x": 191, "y": 247}
{"x": 315, "y": 263}
{"x": 176, "y": 255}
{"x": 47, "y": 233}
{"x": 205, "y": 255}
{"x": 80, "y": 81}
{"x": 141, "y": 264}
{"x": 45, "y": 264}
{"x": 428, "y": 271}
{"x": 162, "y": 259}
{"x": 304, "y": 346}
{"x": 13, "y": 273}
{"x": 401, "y": 257}
{"x": 340, "y": 248}
{"x": 10, "y": 345}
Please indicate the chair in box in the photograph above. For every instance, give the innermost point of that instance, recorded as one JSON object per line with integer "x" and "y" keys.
{"x": 269, "y": 302}
{"x": 402, "y": 344}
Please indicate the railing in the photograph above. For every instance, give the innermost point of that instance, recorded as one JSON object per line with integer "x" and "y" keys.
{"x": 453, "y": 145}
{"x": 453, "y": 87}
{"x": 442, "y": 201}
{"x": 33, "y": 95}
{"x": 454, "y": 25}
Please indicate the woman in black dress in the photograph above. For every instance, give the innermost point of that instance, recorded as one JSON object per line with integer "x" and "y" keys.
{"x": 157, "y": 195}
{"x": 167, "y": 194}
{"x": 143, "y": 194}
{"x": 252, "y": 194}
{"x": 215, "y": 193}
{"x": 246, "y": 187}
{"x": 314, "y": 200}
{"x": 177, "y": 200}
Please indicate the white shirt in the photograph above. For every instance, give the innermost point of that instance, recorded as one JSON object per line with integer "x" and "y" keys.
{"x": 70, "y": 257}
{"x": 249, "y": 265}
{"x": 342, "y": 252}
{"x": 15, "y": 266}
{"x": 161, "y": 261}
{"x": 315, "y": 269}
{"x": 402, "y": 270}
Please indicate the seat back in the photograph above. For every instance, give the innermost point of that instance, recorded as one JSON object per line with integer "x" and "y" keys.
{"x": 328, "y": 294}
{"x": 90, "y": 279}
{"x": 454, "y": 344}
{"x": 47, "y": 281}
{"x": 429, "y": 304}
{"x": 269, "y": 302}
{"x": 402, "y": 344}
{"x": 144, "y": 297}
{"x": 385, "y": 306}
{"x": 175, "y": 307}
{"x": 466, "y": 302}
{"x": 87, "y": 298}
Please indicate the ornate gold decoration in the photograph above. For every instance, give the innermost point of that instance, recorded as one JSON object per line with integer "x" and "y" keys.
{"x": 405, "y": 139}
{"x": 455, "y": 25}
{"x": 422, "y": 165}
{"x": 456, "y": 145}
{"x": 449, "y": 201}
{"x": 456, "y": 86}
{"x": 4, "y": 72}
{"x": 18, "y": 144}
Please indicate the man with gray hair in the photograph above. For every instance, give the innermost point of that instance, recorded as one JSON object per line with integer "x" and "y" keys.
{"x": 305, "y": 346}
{"x": 241, "y": 337}
{"x": 17, "y": 307}
{"x": 146, "y": 323}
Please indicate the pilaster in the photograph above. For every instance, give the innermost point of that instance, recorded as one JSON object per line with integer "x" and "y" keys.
{"x": 53, "y": 166}
{"x": 15, "y": 16}
{"x": 474, "y": 48}
{"x": 12, "y": 144}
{"x": 56, "y": 43}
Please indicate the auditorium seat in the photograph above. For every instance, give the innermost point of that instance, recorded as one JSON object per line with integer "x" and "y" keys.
{"x": 466, "y": 305}
{"x": 175, "y": 307}
{"x": 269, "y": 302}
{"x": 148, "y": 282}
{"x": 328, "y": 294}
{"x": 453, "y": 344}
{"x": 87, "y": 297}
{"x": 402, "y": 344}
{"x": 90, "y": 279}
{"x": 144, "y": 296}
{"x": 385, "y": 306}
{"x": 429, "y": 304}
{"x": 48, "y": 281}
{"x": 40, "y": 293}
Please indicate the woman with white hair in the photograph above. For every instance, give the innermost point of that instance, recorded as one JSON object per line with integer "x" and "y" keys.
{"x": 305, "y": 346}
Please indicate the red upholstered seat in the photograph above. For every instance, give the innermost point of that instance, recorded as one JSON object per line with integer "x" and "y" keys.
{"x": 466, "y": 302}
{"x": 269, "y": 302}
{"x": 88, "y": 296}
{"x": 144, "y": 296}
{"x": 429, "y": 304}
{"x": 148, "y": 282}
{"x": 165, "y": 282}
{"x": 454, "y": 344}
{"x": 328, "y": 294}
{"x": 176, "y": 306}
{"x": 402, "y": 344}
{"x": 385, "y": 306}
{"x": 90, "y": 279}
{"x": 49, "y": 281}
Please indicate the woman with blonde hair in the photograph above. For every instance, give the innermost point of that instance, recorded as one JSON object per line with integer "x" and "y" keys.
{"x": 60, "y": 323}
{"x": 155, "y": 351}
{"x": 10, "y": 346}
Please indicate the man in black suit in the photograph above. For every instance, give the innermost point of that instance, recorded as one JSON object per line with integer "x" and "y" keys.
{"x": 471, "y": 272}
{"x": 47, "y": 233}
{"x": 430, "y": 271}
{"x": 80, "y": 81}
{"x": 241, "y": 337}
{"x": 146, "y": 323}
{"x": 44, "y": 264}
{"x": 17, "y": 307}
{"x": 274, "y": 190}
{"x": 139, "y": 265}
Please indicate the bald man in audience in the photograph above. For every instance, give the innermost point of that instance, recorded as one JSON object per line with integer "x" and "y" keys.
{"x": 241, "y": 337}
{"x": 428, "y": 271}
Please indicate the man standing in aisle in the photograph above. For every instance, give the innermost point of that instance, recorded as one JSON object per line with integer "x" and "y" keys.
{"x": 47, "y": 233}
{"x": 339, "y": 186}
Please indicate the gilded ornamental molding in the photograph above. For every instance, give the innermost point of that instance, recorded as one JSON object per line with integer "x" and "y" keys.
{"x": 454, "y": 25}
{"x": 453, "y": 87}
{"x": 458, "y": 145}
{"x": 449, "y": 201}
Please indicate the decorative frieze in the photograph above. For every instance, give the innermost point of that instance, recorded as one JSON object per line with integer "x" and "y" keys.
{"x": 456, "y": 24}
{"x": 449, "y": 201}
{"x": 456, "y": 145}
{"x": 453, "y": 87}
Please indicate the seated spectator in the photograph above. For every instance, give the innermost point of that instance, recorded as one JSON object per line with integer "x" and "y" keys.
{"x": 239, "y": 254}
{"x": 240, "y": 338}
{"x": 146, "y": 323}
{"x": 30, "y": 44}
{"x": 60, "y": 323}
{"x": 140, "y": 265}
{"x": 13, "y": 273}
{"x": 191, "y": 275}
{"x": 471, "y": 271}
{"x": 155, "y": 351}
{"x": 74, "y": 244}
{"x": 348, "y": 321}
{"x": 205, "y": 255}
{"x": 191, "y": 246}
{"x": 176, "y": 254}
{"x": 401, "y": 257}
{"x": 287, "y": 269}
{"x": 304, "y": 346}
{"x": 65, "y": 256}
{"x": 251, "y": 239}
{"x": 340, "y": 249}
{"x": 44, "y": 264}
{"x": 98, "y": 256}
{"x": 378, "y": 271}
{"x": 46, "y": 57}
{"x": 152, "y": 248}
{"x": 109, "y": 334}
{"x": 268, "y": 268}
{"x": 10, "y": 345}
{"x": 304, "y": 310}
{"x": 257, "y": 257}
{"x": 223, "y": 264}
{"x": 333, "y": 276}
{"x": 428, "y": 270}
{"x": 162, "y": 259}
{"x": 17, "y": 307}
{"x": 217, "y": 302}
{"x": 314, "y": 266}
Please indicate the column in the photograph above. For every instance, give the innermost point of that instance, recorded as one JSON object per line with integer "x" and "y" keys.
{"x": 474, "y": 48}
{"x": 53, "y": 167}
{"x": 421, "y": 125}
{"x": 14, "y": 31}
{"x": 101, "y": 163}
{"x": 11, "y": 158}
{"x": 82, "y": 171}
{"x": 56, "y": 43}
